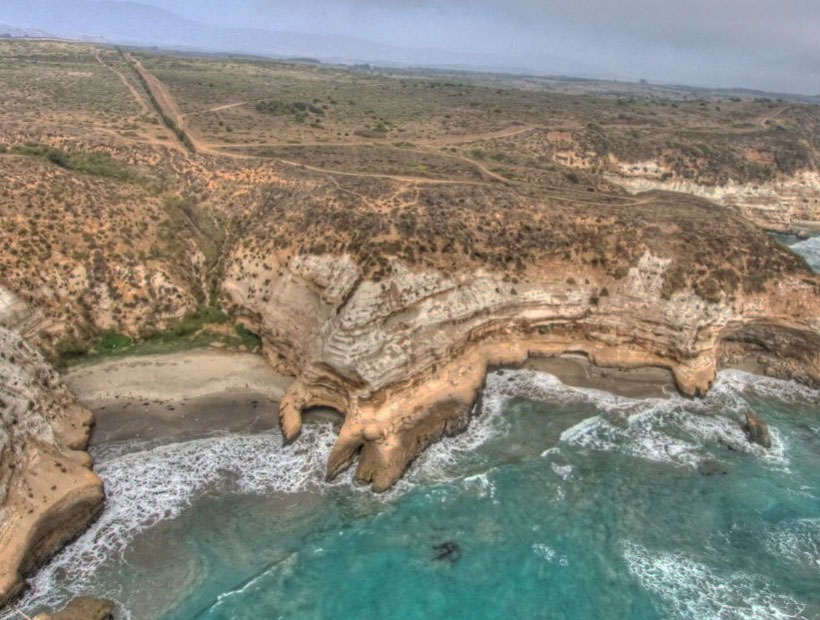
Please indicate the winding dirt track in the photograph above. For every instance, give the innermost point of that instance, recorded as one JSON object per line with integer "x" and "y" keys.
{"x": 170, "y": 108}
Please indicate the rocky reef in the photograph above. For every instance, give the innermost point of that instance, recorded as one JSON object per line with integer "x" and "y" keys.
{"x": 402, "y": 348}
{"x": 48, "y": 493}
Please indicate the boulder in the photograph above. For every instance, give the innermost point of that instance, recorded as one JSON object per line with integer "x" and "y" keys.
{"x": 757, "y": 431}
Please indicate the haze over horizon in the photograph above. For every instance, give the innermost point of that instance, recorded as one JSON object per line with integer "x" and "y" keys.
{"x": 764, "y": 44}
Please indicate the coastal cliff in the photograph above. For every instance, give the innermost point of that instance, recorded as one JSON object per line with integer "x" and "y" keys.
{"x": 48, "y": 493}
{"x": 401, "y": 347}
{"x": 783, "y": 204}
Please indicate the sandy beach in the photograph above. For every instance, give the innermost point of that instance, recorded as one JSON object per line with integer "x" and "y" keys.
{"x": 178, "y": 395}
{"x": 578, "y": 371}
{"x": 183, "y": 395}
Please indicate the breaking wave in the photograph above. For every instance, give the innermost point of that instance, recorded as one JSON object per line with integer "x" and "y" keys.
{"x": 690, "y": 590}
{"x": 673, "y": 430}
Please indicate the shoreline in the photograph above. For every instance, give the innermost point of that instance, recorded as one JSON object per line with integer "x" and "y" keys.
{"x": 576, "y": 370}
{"x": 188, "y": 394}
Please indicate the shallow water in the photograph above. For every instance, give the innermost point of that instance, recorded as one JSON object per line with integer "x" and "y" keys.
{"x": 561, "y": 503}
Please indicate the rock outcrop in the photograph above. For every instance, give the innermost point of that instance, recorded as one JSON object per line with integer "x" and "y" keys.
{"x": 757, "y": 431}
{"x": 403, "y": 352}
{"x": 82, "y": 608}
{"x": 48, "y": 492}
{"x": 783, "y": 204}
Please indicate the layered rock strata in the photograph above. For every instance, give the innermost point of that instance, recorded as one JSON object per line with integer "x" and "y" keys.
{"x": 403, "y": 355}
{"x": 48, "y": 493}
{"x": 787, "y": 203}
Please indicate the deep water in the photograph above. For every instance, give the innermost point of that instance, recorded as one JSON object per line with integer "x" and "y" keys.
{"x": 556, "y": 503}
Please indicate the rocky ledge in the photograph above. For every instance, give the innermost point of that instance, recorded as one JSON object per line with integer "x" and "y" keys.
{"x": 402, "y": 349}
{"x": 48, "y": 493}
{"x": 82, "y": 608}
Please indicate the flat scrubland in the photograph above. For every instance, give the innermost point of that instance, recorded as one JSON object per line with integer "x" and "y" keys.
{"x": 129, "y": 176}
{"x": 511, "y": 124}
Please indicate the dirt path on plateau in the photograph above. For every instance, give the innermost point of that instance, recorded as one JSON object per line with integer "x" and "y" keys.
{"x": 134, "y": 93}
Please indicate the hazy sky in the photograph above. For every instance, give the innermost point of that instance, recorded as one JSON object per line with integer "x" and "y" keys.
{"x": 771, "y": 44}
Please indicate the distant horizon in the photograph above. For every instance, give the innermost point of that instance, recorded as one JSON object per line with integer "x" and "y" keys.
{"x": 773, "y": 52}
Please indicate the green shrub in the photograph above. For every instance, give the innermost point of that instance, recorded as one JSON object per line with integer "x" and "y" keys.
{"x": 251, "y": 341}
{"x": 95, "y": 163}
{"x": 113, "y": 341}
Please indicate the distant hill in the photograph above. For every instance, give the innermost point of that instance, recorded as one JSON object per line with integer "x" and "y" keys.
{"x": 135, "y": 23}
{"x": 142, "y": 24}
{"x": 14, "y": 31}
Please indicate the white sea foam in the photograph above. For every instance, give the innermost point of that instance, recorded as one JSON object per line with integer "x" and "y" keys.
{"x": 146, "y": 483}
{"x": 481, "y": 484}
{"x": 732, "y": 384}
{"x": 148, "y": 486}
{"x": 810, "y": 250}
{"x": 797, "y": 540}
{"x": 563, "y": 471}
{"x": 545, "y": 552}
{"x": 672, "y": 430}
{"x": 439, "y": 461}
{"x": 692, "y": 590}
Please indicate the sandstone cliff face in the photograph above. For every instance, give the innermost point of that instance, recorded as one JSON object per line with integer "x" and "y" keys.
{"x": 48, "y": 493}
{"x": 404, "y": 357}
{"x": 781, "y": 204}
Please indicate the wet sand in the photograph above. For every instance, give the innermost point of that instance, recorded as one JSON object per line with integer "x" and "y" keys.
{"x": 578, "y": 371}
{"x": 178, "y": 395}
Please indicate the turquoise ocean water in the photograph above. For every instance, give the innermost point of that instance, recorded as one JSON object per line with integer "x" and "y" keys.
{"x": 557, "y": 502}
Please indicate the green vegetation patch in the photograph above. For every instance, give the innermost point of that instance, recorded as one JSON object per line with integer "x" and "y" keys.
{"x": 95, "y": 163}
{"x": 197, "y": 329}
{"x": 251, "y": 341}
{"x": 112, "y": 341}
{"x": 298, "y": 111}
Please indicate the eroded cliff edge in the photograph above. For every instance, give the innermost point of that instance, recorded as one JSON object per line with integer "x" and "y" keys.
{"x": 397, "y": 332}
{"x": 48, "y": 493}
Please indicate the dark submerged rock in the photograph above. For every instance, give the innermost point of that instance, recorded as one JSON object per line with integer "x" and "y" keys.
{"x": 757, "y": 431}
{"x": 450, "y": 551}
{"x": 709, "y": 467}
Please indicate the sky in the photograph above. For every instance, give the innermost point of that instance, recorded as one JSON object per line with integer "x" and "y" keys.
{"x": 767, "y": 44}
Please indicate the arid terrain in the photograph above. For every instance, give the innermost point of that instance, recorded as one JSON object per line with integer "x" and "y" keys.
{"x": 384, "y": 237}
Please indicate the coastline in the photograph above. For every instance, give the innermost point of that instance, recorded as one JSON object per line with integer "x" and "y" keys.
{"x": 179, "y": 380}
{"x": 188, "y": 394}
